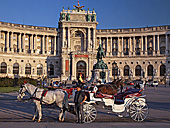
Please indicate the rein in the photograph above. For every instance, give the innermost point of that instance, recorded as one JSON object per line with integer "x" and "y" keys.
{"x": 33, "y": 96}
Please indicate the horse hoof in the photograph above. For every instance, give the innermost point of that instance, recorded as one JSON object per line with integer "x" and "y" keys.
{"x": 62, "y": 120}
{"x": 33, "y": 119}
{"x": 39, "y": 120}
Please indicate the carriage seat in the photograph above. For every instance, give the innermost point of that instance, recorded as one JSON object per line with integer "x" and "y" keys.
{"x": 119, "y": 98}
{"x": 133, "y": 90}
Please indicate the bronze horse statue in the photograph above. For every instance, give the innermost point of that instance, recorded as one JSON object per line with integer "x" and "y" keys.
{"x": 111, "y": 88}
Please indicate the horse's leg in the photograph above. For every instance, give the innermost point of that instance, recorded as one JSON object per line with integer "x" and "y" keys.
{"x": 62, "y": 115}
{"x": 39, "y": 111}
{"x": 62, "y": 112}
{"x": 35, "y": 113}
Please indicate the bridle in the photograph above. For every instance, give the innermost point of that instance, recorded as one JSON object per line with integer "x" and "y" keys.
{"x": 21, "y": 90}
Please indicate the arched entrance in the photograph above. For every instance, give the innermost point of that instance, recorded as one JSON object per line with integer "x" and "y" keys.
{"x": 81, "y": 68}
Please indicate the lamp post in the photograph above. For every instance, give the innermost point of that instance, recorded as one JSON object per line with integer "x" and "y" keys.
{"x": 154, "y": 72}
{"x": 114, "y": 66}
{"x": 167, "y": 74}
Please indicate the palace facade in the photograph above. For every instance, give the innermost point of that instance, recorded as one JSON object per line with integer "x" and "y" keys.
{"x": 63, "y": 52}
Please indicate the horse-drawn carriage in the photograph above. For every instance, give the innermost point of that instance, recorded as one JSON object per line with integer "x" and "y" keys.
{"x": 130, "y": 101}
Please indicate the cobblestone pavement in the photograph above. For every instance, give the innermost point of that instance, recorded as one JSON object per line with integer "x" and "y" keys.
{"x": 158, "y": 101}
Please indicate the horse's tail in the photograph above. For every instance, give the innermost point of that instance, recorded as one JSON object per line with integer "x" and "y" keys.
{"x": 65, "y": 101}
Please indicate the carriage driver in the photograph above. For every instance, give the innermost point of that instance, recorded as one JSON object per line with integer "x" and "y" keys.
{"x": 79, "y": 99}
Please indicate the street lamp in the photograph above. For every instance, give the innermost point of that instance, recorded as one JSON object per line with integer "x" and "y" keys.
{"x": 114, "y": 66}
{"x": 165, "y": 78}
{"x": 166, "y": 74}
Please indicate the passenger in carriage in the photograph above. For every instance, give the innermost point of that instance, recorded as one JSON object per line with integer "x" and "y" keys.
{"x": 79, "y": 99}
{"x": 56, "y": 84}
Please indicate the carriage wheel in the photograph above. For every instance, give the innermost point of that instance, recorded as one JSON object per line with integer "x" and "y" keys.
{"x": 138, "y": 110}
{"x": 90, "y": 113}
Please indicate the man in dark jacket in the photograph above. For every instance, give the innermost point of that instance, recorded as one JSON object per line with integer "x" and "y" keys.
{"x": 79, "y": 99}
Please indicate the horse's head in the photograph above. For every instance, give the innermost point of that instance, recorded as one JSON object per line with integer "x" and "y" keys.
{"x": 22, "y": 92}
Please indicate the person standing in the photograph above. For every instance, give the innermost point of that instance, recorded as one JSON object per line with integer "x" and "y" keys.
{"x": 80, "y": 79}
{"x": 51, "y": 84}
{"x": 79, "y": 99}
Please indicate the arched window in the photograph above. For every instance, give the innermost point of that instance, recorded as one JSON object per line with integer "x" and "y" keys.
{"x": 28, "y": 69}
{"x": 40, "y": 69}
{"x": 162, "y": 70}
{"x": 115, "y": 71}
{"x": 3, "y": 67}
{"x": 150, "y": 70}
{"x": 138, "y": 70}
{"x": 51, "y": 72}
{"x": 16, "y": 68}
{"x": 126, "y": 70}
{"x": 162, "y": 50}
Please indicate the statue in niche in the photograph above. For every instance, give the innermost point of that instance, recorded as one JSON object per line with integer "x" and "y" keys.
{"x": 65, "y": 43}
{"x": 91, "y": 44}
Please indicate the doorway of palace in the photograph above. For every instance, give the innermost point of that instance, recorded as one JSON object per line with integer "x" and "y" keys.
{"x": 81, "y": 68}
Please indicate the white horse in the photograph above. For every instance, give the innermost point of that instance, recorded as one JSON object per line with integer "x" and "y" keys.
{"x": 40, "y": 96}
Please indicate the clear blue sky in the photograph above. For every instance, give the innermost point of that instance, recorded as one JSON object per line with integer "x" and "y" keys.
{"x": 110, "y": 13}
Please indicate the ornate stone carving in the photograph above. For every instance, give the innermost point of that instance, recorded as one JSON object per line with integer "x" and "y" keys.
{"x": 77, "y": 47}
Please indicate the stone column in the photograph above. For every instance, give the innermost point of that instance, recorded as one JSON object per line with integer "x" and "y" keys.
{"x": 58, "y": 45}
{"x": 35, "y": 44}
{"x": 141, "y": 45}
{"x": 11, "y": 42}
{"x": 23, "y": 43}
{"x": 106, "y": 47}
{"x": 47, "y": 44}
{"x": 69, "y": 47}
{"x": 73, "y": 68}
{"x": 63, "y": 37}
{"x": 130, "y": 46}
{"x": 146, "y": 45}
{"x": 122, "y": 51}
{"x": 63, "y": 66}
{"x": 89, "y": 39}
{"x": 94, "y": 39}
{"x": 153, "y": 45}
{"x": 43, "y": 45}
{"x": 31, "y": 43}
{"x": 55, "y": 43}
{"x": 111, "y": 44}
{"x": 134, "y": 46}
{"x": 158, "y": 50}
{"x": 100, "y": 40}
{"x": 118, "y": 47}
{"x": 19, "y": 42}
{"x": 167, "y": 51}
{"x": 7, "y": 42}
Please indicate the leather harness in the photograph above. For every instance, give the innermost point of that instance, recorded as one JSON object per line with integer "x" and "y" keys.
{"x": 33, "y": 97}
